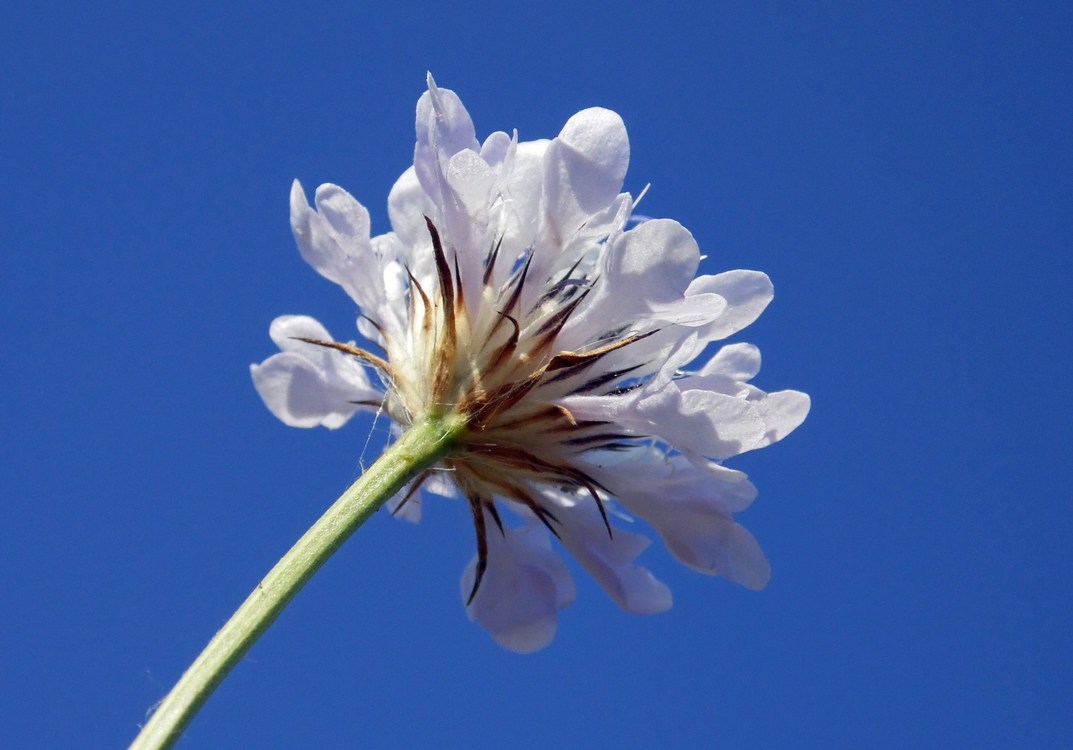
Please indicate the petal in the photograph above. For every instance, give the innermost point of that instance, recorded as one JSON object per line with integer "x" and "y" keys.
{"x": 516, "y": 210}
{"x": 407, "y": 207}
{"x": 585, "y": 167}
{"x": 693, "y": 414}
{"x": 523, "y": 588}
{"x": 657, "y": 259}
{"x": 782, "y": 412}
{"x": 332, "y": 238}
{"x": 747, "y": 294}
{"x": 610, "y": 560}
{"x": 690, "y": 414}
{"x": 471, "y": 179}
{"x": 286, "y": 328}
{"x": 705, "y": 422}
{"x": 736, "y": 361}
{"x": 335, "y": 241}
{"x": 307, "y": 385}
{"x": 714, "y": 544}
{"x": 297, "y": 392}
{"x": 646, "y": 273}
{"x": 469, "y": 182}
{"x": 496, "y": 147}
{"x": 443, "y": 129}
{"x": 523, "y": 186}
{"x": 691, "y": 509}
{"x": 649, "y": 475}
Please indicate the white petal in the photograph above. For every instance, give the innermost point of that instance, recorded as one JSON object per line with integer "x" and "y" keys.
{"x": 610, "y": 559}
{"x": 333, "y": 237}
{"x": 286, "y": 328}
{"x": 523, "y": 186}
{"x": 495, "y": 148}
{"x": 691, "y": 509}
{"x": 646, "y": 273}
{"x": 736, "y": 361}
{"x": 335, "y": 241}
{"x": 407, "y": 207}
{"x": 658, "y": 260}
{"x": 585, "y": 167}
{"x": 690, "y": 413}
{"x": 517, "y": 204}
{"x": 471, "y": 179}
{"x": 715, "y": 545}
{"x": 523, "y": 588}
{"x": 782, "y": 412}
{"x": 443, "y": 129}
{"x": 712, "y": 424}
{"x": 747, "y": 294}
{"x": 297, "y": 392}
{"x": 439, "y": 484}
{"x": 469, "y": 182}
{"x": 649, "y": 475}
{"x": 369, "y": 331}
{"x": 307, "y": 385}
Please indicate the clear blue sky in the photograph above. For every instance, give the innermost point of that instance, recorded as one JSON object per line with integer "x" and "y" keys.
{"x": 902, "y": 171}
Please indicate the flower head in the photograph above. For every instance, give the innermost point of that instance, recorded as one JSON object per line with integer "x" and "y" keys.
{"x": 515, "y": 292}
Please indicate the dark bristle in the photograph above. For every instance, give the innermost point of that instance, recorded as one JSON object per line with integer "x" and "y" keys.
{"x": 600, "y": 437}
{"x": 411, "y": 492}
{"x": 490, "y": 262}
{"x": 460, "y": 299}
{"x": 426, "y": 303}
{"x": 591, "y": 485}
{"x": 555, "y": 323}
{"x": 494, "y": 513}
{"x": 443, "y": 269}
{"x": 367, "y": 357}
{"x": 607, "y": 377}
{"x": 449, "y": 342}
{"x": 516, "y": 286}
{"x": 508, "y": 347}
{"x": 476, "y": 505}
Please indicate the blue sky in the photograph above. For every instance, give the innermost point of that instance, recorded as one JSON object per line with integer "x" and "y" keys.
{"x": 903, "y": 172}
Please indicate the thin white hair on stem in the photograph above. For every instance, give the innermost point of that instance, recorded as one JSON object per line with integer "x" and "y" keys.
{"x": 372, "y": 429}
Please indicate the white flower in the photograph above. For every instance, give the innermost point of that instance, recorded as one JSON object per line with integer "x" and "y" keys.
{"x": 510, "y": 291}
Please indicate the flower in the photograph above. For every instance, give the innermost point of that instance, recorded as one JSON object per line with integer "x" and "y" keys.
{"x": 515, "y": 291}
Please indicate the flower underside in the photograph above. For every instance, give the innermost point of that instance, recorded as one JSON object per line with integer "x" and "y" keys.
{"x": 500, "y": 370}
{"x": 515, "y": 295}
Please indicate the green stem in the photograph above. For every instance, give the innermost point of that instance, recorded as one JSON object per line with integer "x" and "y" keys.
{"x": 420, "y": 447}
